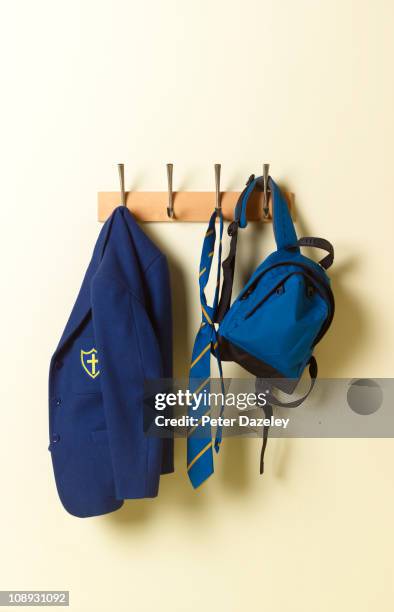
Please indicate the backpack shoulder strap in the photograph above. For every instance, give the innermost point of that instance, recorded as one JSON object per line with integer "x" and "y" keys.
{"x": 229, "y": 263}
{"x": 284, "y": 232}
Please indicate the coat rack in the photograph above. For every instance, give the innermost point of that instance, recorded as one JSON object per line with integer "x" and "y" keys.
{"x": 187, "y": 206}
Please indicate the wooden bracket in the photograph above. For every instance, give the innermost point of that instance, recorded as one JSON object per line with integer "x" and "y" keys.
{"x": 189, "y": 206}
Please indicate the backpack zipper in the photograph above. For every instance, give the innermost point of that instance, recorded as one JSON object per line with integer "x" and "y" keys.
{"x": 275, "y": 289}
{"x": 320, "y": 282}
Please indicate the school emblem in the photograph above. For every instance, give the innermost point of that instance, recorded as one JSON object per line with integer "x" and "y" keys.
{"x": 90, "y": 362}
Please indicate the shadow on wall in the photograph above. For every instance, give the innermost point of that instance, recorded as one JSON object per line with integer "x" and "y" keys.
{"x": 239, "y": 458}
{"x": 236, "y": 474}
{"x": 350, "y": 329}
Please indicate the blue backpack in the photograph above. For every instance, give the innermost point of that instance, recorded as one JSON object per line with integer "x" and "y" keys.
{"x": 285, "y": 308}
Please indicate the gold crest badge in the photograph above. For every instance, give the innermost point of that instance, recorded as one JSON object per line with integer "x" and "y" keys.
{"x": 90, "y": 362}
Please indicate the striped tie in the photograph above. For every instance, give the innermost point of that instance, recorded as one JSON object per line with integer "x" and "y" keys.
{"x": 199, "y": 441}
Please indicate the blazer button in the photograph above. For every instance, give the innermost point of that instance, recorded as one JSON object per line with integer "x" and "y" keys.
{"x": 58, "y": 401}
{"x": 55, "y": 438}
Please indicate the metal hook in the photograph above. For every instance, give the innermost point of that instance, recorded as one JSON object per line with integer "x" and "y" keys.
{"x": 218, "y": 206}
{"x": 170, "y": 207}
{"x": 266, "y": 171}
{"x": 121, "y": 179}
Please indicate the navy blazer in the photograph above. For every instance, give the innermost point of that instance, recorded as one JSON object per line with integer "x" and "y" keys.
{"x": 119, "y": 334}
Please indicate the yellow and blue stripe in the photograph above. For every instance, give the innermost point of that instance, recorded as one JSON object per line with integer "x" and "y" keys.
{"x": 199, "y": 442}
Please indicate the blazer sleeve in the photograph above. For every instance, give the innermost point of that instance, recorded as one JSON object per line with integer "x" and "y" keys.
{"x": 129, "y": 354}
{"x": 160, "y": 312}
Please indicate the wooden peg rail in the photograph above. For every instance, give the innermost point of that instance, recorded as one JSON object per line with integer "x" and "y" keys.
{"x": 189, "y": 206}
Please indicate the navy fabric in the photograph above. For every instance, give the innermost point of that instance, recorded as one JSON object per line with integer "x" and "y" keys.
{"x": 287, "y": 305}
{"x": 119, "y": 333}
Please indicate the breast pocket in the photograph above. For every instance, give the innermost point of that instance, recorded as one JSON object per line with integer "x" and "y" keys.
{"x": 86, "y": 366}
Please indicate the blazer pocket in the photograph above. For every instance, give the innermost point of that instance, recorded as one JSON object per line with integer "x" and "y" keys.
{"x": 86, "y": 366}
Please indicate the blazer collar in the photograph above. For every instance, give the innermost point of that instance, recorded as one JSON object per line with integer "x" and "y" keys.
{"x": 82, "y": 305}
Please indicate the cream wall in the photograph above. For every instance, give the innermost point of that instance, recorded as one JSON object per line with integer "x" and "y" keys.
{"x": 306, "y": 85}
